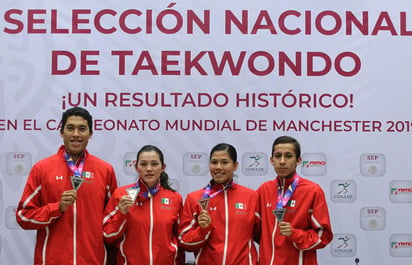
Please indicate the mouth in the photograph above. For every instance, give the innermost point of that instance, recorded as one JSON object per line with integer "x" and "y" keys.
{"x": 219, "y": 174}
{"x": 75, "y": 142}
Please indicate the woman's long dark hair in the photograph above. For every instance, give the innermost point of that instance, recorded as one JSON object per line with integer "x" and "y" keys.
{"x": 164, "y": 178}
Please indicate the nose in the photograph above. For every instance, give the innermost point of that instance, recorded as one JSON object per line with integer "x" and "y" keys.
{"x": 76, "y": 131}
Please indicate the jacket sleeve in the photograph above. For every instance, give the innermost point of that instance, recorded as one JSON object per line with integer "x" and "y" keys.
{"x": 31, "y": 213}
{"x": 191, "y": 236}
{"x": 257, "y": 229}
{"x": 114, "y": 222}
{"x": 111, "y": 184}
{"x": 320, "y": 232}
{"x": 181, "y": 256}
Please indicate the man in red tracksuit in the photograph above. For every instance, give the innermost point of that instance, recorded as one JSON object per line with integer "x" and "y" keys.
{"x": 65, "y": 196}
{"x": 295, "y": 217}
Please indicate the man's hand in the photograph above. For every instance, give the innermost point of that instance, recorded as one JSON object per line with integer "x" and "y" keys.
{"x": 67, "y": 198}
{"x": 285, "y": 229}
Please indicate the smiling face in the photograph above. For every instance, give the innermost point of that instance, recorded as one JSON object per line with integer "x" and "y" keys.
{"x": 284, "y": 160}
{"x": 221, "y": 167}
{"x": 76, "y": 135}
{"x": 149, "y": 167}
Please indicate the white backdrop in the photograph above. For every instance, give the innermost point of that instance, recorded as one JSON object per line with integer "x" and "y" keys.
{"x": 187, "y": 75}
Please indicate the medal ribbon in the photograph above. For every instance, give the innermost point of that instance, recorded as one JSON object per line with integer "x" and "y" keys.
{"x": 282, "y": 201}
{"x": 149, "y": 192}
{"x": 208, "y": 189}
{"x": 77, "y": 170}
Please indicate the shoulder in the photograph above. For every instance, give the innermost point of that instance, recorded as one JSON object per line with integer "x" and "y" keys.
{"x": 48, "y": 161}
{"x": 97, "y": 164}
{"x": 246, "y": 193}
{"x": 171, "y": 194}
{"x": 244, "y": 189}
{"x": 195, "y": 195}
{"x": 268, "y": 184}
{"x": 120, "y": 191}
{"x": 308, "y": 183}
{"x": 97, "y": 160}
{"x": 310, "y": 186}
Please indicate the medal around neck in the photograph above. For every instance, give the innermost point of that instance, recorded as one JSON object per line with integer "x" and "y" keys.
{"x": 279, "y": 213}
{"x": 133, "y": 192}
{"x": 204, "y": 203}
{"x": 76, "y": 182}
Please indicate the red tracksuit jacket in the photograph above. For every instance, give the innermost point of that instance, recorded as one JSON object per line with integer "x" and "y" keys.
{"x": 228, "y": 240}
{"x": 147, "y": 234}
{"x": 76, "y": 236}
{"x": 306, "y": 211}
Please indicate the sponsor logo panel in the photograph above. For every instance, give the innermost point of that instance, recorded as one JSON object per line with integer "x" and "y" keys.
{"x": 254, "y": 164}
{"x": 343, "y": 245}
{"x": 343, "y": 191}
{"x": 314, "y": 164}
{"x": 372, "y": 165}
{"x": 195, "y": 164}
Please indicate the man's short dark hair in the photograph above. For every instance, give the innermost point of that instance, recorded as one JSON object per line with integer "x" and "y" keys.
{"x": 287, "y": 140}
{"x": 77, "y": 111}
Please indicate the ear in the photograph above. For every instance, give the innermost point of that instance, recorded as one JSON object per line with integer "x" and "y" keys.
{"x": 164, "y": 167}
{"x": 298, "y": 161}
{"x": 236, "y": 165}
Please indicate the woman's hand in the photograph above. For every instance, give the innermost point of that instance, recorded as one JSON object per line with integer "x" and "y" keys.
{"x": 125, "y": 203}
{"x": 204, "y": 219}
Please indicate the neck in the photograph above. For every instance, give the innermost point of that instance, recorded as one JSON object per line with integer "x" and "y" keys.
{"x": 225, "y": 185}
{"x": 287, "y": 177}
{"x": 147, "y": 186}
{"x": 75, "y": 157}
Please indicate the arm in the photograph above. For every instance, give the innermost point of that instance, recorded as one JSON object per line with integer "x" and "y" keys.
{"x": 195, "y": 228}
{"x": 319, "y": 234}
{"x": 181, "y": 255}
{"x": 111, "y": 184}
{"x": 115, "y": 217}
{"x": 257, "y": 229}
{"x": 31, "y": 212}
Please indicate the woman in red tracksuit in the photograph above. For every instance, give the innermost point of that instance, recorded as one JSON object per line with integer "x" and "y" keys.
{"x": 141, "y": 219}
{"x": 219, "y": 221}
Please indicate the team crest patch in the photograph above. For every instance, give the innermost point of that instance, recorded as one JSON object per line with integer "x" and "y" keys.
{"x": 87, "y": 175}
{"x": 240, "y": 206}
{"x": 165, "y": 201}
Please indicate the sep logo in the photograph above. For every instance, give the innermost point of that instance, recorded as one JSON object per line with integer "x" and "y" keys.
{"x": 18, "y": 163}
{"x": 372, "y": 165}
{"x": 195, "y": 164}
{"x": 372, "y": 218}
